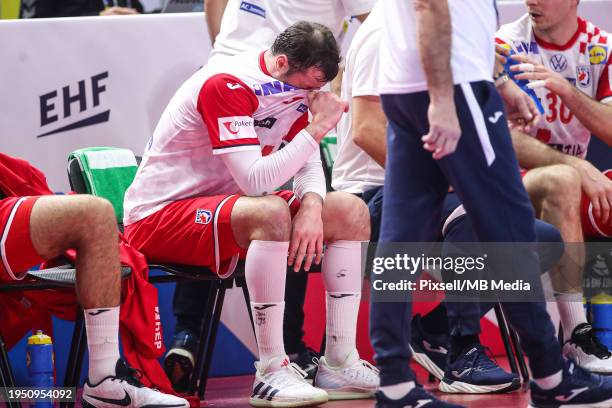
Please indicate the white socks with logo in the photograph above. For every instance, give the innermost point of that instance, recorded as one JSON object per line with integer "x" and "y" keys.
{"x": 102, "y": 325}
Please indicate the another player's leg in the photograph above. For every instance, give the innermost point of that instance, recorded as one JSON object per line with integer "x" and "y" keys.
{"x": 263, "y": 225}
{"x": 341, "y": 372}
{"x": 88, "y": 225}
{"x": 500, "y": 191}
{"x": 556, "y": 193}
{"x": 413, "y": 194}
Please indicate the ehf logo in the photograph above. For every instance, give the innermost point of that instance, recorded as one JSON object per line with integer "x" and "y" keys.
{"x": 583, "y": 76}
{"x": 558, "y": 62}
{"x": 203, "y": 217}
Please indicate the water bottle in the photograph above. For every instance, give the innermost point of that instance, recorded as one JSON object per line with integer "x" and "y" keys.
{"x": 601, "y": 308}
{"x": 40, "y": 364}
{"x": 522, "y": 83}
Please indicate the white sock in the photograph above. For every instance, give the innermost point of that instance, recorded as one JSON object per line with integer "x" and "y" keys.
{"x": 397, "y": 391}
{"x": 265, "y": 274}
{"x": 343, "y": 280}
{"x": 571, "y": 311}
{"x": 550, "y": 382}
{"x": 102, "y": 325}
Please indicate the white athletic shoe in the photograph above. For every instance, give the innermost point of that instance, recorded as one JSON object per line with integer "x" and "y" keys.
{"x": 355, "y": 379}
{"x": 125, "y": 390}
{"x": 282, "y": 384}
{"x": 587, "y": 351}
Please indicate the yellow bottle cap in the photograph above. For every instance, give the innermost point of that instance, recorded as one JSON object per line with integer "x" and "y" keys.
{"x": 39, "y": 338}
{"x": 601, "y": 299}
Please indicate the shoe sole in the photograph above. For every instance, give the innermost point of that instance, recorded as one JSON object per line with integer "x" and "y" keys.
{"x": 350, "y": 394}
{"x": 602, "y": 404}
{"x": 286, "y": 402}
{"x": 181, "y": 359}
{"x": 458, "y": 387}
{"x": 427, "y": 363}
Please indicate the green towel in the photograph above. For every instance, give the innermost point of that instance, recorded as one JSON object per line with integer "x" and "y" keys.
{"x": 108, "y": 172}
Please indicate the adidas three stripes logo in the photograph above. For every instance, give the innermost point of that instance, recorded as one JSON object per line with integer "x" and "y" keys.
{"x": 267, "y": 392}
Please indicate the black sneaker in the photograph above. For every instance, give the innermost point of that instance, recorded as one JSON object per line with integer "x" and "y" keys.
{"x": 473, "y": 372}
{"x": 578, "y": 389}
{"x": 587, "y": 351}
{"x": 179, "y": 361}
{"x": 124, "y": 389}
{"x": 417, "y": 398}
{"x": 307, "y": 360}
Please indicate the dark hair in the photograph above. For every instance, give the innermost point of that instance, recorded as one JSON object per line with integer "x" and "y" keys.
{"x": 309, "y": 45}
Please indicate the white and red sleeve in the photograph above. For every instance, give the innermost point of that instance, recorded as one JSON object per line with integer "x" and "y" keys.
{"x": 604, "y": 88}
{"x": 227, "y": 106}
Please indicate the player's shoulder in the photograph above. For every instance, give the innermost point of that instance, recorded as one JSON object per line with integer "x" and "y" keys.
{"x": 595, "y": 34}
{"x": 518, "y": 30}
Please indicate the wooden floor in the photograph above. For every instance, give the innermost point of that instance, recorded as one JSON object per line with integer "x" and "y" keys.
{"x": 233, "y": 392}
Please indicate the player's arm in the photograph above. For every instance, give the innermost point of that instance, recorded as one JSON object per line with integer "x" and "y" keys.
{"x": 595, "y": 115}
{"x": 531, "y": 153}
{"x": 370, "y": 127}
{"x": 214, "y": 10}
{"x": 434, "y": 34}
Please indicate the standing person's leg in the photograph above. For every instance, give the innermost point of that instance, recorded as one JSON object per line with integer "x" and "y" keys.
{"x": 413, "y": 193}
{"x": 485, "y": 174}
{"x": 87, "y": 224}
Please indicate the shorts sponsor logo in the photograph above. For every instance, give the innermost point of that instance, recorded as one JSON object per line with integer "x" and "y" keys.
{"x": 253, "y": 9}
{"x": 583, "y": 75}
{"x": 235, "y": 128}
{"x": 558, "y": 62}
{"x": 598, "y": 54}
{"x": 203, "y": 217}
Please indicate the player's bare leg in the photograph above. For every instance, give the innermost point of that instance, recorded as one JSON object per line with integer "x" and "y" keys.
{"x": 88, "y": 224}
{"x": 346, "y": 226}
{"x": 555, "y": 192}
{"x": 263, "y": 225}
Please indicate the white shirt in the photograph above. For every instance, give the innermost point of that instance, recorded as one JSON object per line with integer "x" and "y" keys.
{"x": 223, "y": 108}
{"x": 473, "y": 49}
{"x": 354, "y": 170}
{"x": 254, "y": 24}
{"x": 585, "y": 61}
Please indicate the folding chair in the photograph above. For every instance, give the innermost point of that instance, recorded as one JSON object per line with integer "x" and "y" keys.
{"x": 82, "y": 179}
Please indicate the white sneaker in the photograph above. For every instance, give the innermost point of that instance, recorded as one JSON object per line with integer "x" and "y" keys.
{"x": 282, "y": 384}
{"x": 355, "y": 379}
{"x": 587, "y": 351}
{"x": 125, "y": 390}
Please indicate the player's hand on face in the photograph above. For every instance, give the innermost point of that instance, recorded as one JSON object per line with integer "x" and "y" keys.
{"x": 522, "y": 111}
{"x": 326, "y": 109}
{"x": 540, "y": 76}
{"x": 598, "y": 188}
{"x": 306, "y": 239}
{"x": 444, "y": 129}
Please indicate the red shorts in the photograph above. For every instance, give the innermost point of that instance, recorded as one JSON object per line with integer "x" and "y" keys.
{"x": 17, "y": 252}
{"x": 591, "y": 227}
{"x": 196, "y": 231}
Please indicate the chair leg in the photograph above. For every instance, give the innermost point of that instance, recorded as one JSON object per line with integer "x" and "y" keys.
{"x": 210, "y": 348}
{"x": 6, "y": 373}
{"x": 247, "y": 300}
{"x": 203, "y": 336}
{"x": 520, "y": 356}
{"x": 75, "y": 356}
{"x": 503, "y": 329}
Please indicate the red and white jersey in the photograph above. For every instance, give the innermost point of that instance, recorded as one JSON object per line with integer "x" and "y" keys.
{"x": 585, "y": 61}
{"x": 229, "y": 105}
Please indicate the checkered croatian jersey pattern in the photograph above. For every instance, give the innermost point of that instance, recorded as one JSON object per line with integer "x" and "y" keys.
{"x": 227, "y": 106}
{"x": 585, "y": 61}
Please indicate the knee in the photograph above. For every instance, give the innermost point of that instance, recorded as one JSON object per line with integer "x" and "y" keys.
{"x": 96, "y": 216}
{"x": 346, "y": 217}
{"x": 272, "y": 220}
{"x": 561, "y": 188}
